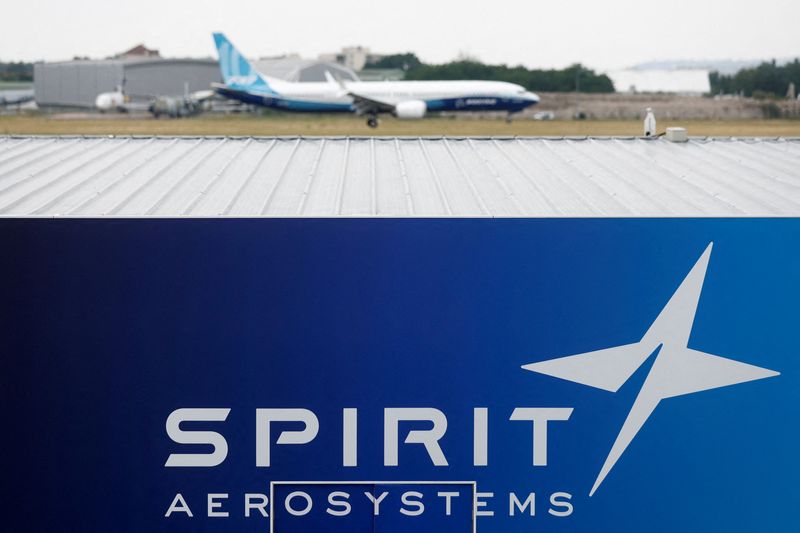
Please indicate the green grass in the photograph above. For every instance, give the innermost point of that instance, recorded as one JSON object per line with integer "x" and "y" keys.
{"x": 36, "y": 124}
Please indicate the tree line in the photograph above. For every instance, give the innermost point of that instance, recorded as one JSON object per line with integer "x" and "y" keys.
{"x": 552, "y": 80}
{"x": 767, "y": 80}
{"x": 16, "y": 71}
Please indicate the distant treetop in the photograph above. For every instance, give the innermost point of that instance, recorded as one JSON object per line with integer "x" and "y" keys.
{"x": 554, "y": 80}
{"x": 406, "y": 61}
{"x": 767, "y": 80}
{"x": 574, "y": 77}
{"x": 18, "y": 71}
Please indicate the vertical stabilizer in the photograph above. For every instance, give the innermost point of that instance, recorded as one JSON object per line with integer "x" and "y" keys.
{"x": 238, "y": 72}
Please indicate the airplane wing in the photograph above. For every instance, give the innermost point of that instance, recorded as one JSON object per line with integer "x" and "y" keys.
{"x": 203, "y": 95}
{"x": 365, "y": 105}
{"x": 232, "y": 93}
{"x": 140, "y": 96}
{"x": 15, "y": 97}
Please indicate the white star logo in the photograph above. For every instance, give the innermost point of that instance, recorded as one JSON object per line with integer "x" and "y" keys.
{"x": 677, "y": 369}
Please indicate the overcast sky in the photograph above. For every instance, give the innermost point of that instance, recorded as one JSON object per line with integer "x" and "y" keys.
{"x": 601, "y": 34}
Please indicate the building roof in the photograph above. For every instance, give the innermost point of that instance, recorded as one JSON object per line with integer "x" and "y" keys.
{"x": 139, "y": 50}
{"x": 126, "y": 62}
{"x": 303, "y": 70}
{"x": 384, "y": 176}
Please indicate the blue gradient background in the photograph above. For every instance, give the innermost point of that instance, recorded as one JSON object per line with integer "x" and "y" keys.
{"x": 110, "y": 325}
{"x": 362, "y": 515}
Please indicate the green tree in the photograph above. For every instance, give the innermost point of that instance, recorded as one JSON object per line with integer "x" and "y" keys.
{"x": 766, "y": 80}
{"x": 555, "y": 80}
{"x": 405, "y": 61}
{"x": 16, "y": 71}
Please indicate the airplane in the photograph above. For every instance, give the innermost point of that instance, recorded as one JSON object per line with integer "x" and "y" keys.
{"x": 181, "y": 106}
{"x": 403, "y": 99}
{"x": 171, "y": 106}
{"x": 11, "y": 98}
{"x": 115, "y": 100}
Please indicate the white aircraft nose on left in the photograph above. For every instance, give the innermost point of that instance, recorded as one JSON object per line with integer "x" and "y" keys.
{"x": 110, "y": 101}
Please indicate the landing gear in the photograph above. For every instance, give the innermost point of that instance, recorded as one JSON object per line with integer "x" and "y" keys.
{"x": 372, "y": 121}
{"x": 509, "y": 118}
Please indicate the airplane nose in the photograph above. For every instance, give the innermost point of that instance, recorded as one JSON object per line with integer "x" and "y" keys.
{"x": 533, "y": 98}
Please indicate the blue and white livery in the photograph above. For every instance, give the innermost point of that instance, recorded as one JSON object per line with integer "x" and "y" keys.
{"x": 403, "y": 99}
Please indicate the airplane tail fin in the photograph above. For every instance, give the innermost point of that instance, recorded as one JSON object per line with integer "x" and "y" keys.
{"x": 237, "y": 72}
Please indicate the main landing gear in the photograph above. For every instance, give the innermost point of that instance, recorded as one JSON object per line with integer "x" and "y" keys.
{"x": 372, "y": 121}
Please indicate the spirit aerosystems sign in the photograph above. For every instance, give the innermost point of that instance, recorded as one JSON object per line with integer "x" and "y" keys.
{"x": 396, "y": 375}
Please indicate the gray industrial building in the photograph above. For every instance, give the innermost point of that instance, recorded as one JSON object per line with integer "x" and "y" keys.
{"x": 76, "y": 84}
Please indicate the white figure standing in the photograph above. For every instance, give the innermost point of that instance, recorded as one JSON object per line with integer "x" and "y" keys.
{"x": 649, "y": 123}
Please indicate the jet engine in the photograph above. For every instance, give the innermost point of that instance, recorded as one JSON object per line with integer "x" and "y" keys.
{"x": 410, "y": 109}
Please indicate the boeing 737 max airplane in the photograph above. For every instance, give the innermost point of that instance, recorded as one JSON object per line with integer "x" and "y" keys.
{"x": 403, "y": 99}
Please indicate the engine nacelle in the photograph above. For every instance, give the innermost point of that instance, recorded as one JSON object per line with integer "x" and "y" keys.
{"x": 410, "y": 109}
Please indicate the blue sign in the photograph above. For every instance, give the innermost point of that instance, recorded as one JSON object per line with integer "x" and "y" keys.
{"x": 458, "y": 375}
{"x": 386, "y": 507}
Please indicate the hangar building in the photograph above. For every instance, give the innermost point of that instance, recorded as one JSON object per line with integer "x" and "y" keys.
{"x": 76, "y": 84}
{"x": 295, "y": 69}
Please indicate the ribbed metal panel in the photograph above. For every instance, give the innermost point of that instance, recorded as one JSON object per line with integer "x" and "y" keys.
{"x": 389, "y": 177}
{"x": 77, "y": 83}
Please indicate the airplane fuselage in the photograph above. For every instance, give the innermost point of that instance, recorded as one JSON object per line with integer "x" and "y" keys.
{"x": 437, "y": 95}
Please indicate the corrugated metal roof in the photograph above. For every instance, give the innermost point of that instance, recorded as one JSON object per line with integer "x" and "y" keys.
{"x": 383, "y": 176}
